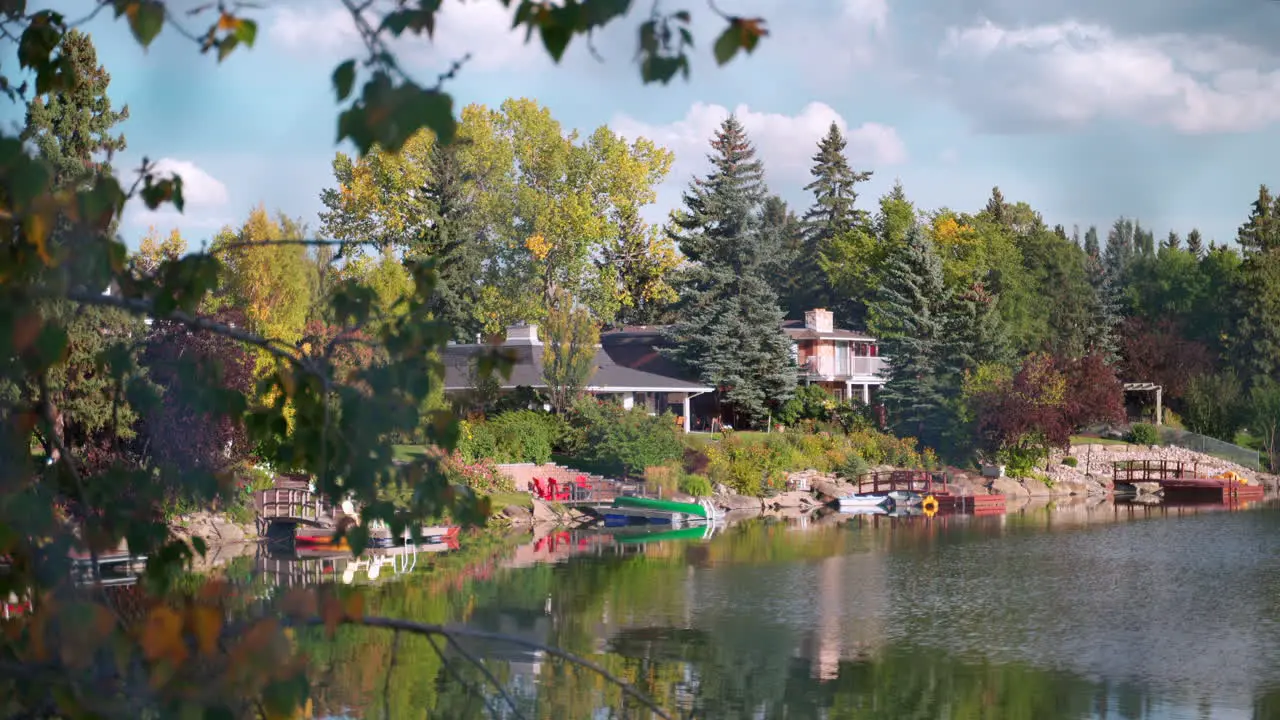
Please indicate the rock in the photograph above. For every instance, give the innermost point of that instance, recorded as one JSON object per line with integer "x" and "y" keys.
{"x": 733, "y": 501}
{"x": 517, "y": 512}
{"x": 1010, "y": 488}
{"x": 793, "y": 499}
{"x": 1147, "y": 488}
{"x": 542, "y": 512}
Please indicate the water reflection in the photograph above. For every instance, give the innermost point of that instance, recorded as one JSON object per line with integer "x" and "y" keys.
{"x": 1077, "y": 611}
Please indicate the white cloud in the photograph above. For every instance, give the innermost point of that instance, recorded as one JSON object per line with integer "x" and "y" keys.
{"x": 786, "y": 143}
{"x": 482, "y": 29}
{"x": 1069, "y": 73}
{"x": 199, "y": 188}
{"x": 205, "y": 199}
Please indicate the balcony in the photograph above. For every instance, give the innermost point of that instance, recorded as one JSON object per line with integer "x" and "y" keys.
{"x": 855, "y": 369}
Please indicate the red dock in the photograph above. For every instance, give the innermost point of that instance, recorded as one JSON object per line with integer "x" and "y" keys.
{"x": 1184, "y": 482}
{"x": 924, "y": 482}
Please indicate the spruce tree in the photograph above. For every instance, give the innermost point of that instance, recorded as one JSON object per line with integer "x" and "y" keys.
{"x": 830, "y": 220}
{"x": 449, "y": 237}
{"x": 997, "y": 210}
{"x": 1120, "y": 250}
{"x": 1174, "y": 241}
{"x": 1261, "y": 232}
{"x": 72, "y": 128}
{"x": 1091, "y": 246}
{"x": 1195, "y": 243}
{"x": 1104, "y": 311}
{"x": 729, "y": 325}
{"x": 907, "y": 316}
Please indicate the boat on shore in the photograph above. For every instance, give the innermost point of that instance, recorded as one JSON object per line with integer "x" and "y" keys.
{"x": 856, "y": 502}
{"x": 627, "y": 509}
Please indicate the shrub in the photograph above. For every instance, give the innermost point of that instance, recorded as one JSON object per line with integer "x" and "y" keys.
{"x": 695, "y": 485}
{"x": 1144, "y": 434}
{"x": 663, "y": 478}
{"x": 480, "y": 476}
{"x": 853, "y": 466}
{"x": 810, "y": 402}
{"x": 512, "y": 437}
{"x": 747, "y": 467}
{"x": 626, "y": 441}
{"x": 1173, "y": 420}
{"x": 1070, "y": 461}
{"x": 1021, "y": 462}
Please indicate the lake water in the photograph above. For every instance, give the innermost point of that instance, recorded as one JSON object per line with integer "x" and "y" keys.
{"x": 1033, "y": 615}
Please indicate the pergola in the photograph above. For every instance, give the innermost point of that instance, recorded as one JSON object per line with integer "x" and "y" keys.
{"x": 1150, "y": 387}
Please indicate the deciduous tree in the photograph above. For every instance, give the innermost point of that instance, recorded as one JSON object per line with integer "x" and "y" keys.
{"x": 570, "y": 337}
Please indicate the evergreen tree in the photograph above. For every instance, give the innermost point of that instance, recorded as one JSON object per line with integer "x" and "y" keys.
{"x": 908, "y": 317}
{"x": 1261, "y": 232}
{"x": 787, "y": 264}
{"x": 1144, "y": 241}
{"x": 832, "y": 220}
{"x": 997, "y": 210}
{"x": 1120, "y": 249}
{"x": 728, "y": 328}
{"x": 1195, "y": 243}
{"x": 1091, "y": 246}
{"x": 450, "y": 239}
{"x": 1104, "y": 312}
{"x": 1174, "y": 241}
{"x": 72, "y": 128}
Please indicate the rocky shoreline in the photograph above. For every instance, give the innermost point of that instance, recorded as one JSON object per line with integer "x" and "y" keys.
{"x": 1081, "y": 487}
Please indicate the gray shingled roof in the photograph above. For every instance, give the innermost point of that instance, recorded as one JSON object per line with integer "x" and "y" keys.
{"x": 527, "y": 371}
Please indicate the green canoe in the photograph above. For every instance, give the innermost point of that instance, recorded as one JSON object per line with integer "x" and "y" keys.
{"x": 639, "y": 503}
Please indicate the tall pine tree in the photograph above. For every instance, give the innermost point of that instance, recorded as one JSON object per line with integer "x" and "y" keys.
{"x": 729, "y": 326}
{"x": 908, "y": 317}
{"x": 1195, "y": 243}
{"x": 834, "y": 227}
{"x": 1174, "y": 241}
{"x": 449, "y": 237}
{"x": 1091, "y": 246}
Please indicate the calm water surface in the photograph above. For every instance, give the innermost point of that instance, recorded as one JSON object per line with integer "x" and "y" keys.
{"x": 1022, "y": 616}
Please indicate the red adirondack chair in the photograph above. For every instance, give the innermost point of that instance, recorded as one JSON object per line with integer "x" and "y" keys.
{"x": 537, "y": 488}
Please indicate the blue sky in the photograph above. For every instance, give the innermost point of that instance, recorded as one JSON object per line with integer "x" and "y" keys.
{"x": 1088, "y": 110}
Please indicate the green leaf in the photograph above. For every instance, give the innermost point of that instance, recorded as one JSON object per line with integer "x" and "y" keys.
{"x": 728, "y": 43}
{"x": 555, "y": 37}
{"x": 247, "y": 31}
{"x": 344, "y": 78}
{"x": 226, "y": 45}
{"x": 146, "y": 18}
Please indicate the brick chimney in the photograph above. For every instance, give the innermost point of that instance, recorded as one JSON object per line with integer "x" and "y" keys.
{"x": 522, "y": 334}
{"x": 819, "y": 319}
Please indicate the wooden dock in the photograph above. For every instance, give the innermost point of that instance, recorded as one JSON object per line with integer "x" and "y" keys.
{"x": 924, "y": 482}
{"x": 1185, "y": 483}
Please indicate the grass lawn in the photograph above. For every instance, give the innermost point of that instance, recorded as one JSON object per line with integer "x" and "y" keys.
{"x": 504, "y": 499}
{"x": 1090, "y": 440}
{"x": 408, "y": 452}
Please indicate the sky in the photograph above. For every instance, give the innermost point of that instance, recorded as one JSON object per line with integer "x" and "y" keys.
{"x": 1163, "y": 110}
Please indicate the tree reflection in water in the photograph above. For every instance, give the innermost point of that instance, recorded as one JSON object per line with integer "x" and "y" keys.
{"x": 739, "y": 627}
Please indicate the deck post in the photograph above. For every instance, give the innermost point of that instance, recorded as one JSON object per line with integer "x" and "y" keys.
{"x": 1159, "y": 405}
{"x": 687, "y": 425}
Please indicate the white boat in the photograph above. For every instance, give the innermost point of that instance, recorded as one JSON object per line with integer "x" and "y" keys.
{"x": 865, "y": 510}
{"x": 904, "y": 497}
{"x": 862, "y": 501}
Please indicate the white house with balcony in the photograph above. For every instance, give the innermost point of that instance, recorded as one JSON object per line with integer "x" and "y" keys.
{"x": 846, "y": 363}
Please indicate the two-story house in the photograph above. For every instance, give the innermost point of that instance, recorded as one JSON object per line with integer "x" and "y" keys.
{"x": 845, "y": 362}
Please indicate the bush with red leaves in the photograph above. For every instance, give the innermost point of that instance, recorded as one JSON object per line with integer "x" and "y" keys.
{"x": 198, "y": 373}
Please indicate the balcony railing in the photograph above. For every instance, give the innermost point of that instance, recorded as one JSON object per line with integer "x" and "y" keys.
{"x": 850, "y": 368}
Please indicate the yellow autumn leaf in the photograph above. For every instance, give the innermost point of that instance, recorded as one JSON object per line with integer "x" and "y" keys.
{"x": 162, "y": 636}
{"x": 207, "y": 624}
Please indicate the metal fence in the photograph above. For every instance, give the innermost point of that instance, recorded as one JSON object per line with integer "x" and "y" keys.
{"x": 1212, "y": 446}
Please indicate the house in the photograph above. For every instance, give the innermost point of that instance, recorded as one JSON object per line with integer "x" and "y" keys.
{"x": 631, "y": 387}
{"x": 846, "y": 363}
